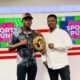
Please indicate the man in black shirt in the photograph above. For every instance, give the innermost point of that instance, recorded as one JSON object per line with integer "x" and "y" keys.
{"x": 22, "y": 41}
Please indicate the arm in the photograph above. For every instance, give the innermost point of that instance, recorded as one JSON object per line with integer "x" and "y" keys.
{"x": 14, "y": 46}
{"x": 67, "y": 42}
{"x": 16, "y": 43}
{"x": 44, "y": 59}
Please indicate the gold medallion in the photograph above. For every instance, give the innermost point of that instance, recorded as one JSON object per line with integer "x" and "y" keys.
{"x": 39, "y": 43}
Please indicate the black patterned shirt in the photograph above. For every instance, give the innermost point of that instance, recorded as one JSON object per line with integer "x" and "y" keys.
{"x": 25, "y": 54}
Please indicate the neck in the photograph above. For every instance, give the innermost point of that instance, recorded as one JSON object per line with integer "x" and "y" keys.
{"x": 26, "y": 29}
{"x": 52, "y": 29}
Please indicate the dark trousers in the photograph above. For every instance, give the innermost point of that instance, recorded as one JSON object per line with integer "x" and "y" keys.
{"x": 22, "y": 70}
{"x": 63, "y": 72}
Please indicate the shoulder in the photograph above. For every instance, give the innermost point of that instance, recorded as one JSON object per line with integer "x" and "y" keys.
{"x": 62, "y": 31}
{"x": 16, "y": 31}
{"x": 46, "y": 35}
{"x": 38, "y": 33}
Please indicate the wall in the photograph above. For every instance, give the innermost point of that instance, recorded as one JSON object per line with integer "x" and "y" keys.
{"x": 8, "y": 66}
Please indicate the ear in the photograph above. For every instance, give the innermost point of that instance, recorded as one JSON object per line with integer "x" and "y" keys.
{"x": 56, "y": 21}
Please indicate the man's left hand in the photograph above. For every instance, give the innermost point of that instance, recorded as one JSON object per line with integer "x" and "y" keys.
{"x": 43, "y": 51}
{"x": 51, "y": 45}
{"x": 11, "y": 47}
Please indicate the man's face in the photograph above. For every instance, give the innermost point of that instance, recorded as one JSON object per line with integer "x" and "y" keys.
{"x": 27, "y": 23}
{"x": 51, "y": 21}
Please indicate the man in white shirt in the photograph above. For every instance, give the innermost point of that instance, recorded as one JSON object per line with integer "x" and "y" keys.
{"x": 55, "y": 55}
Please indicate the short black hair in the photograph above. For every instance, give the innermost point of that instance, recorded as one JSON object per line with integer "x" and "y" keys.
{"x": 52, "y": 15}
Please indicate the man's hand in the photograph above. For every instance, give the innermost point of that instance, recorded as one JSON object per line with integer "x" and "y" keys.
{"x": 43, "y": 51}
{"x": 51, "y": 45}
{"x": 11, "y": 47}
{"x": 23, "y": 42}
{"x": 45, "y": 63}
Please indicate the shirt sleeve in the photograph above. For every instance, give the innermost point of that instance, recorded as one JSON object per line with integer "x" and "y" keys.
{"x": 67, "y": 42}
{"x": 44, "y": 57}
{"x": 14, "y": 40}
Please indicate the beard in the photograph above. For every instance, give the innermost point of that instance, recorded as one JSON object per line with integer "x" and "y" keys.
{"x": 52, "y": 28}
{"x": 27, "y": 27}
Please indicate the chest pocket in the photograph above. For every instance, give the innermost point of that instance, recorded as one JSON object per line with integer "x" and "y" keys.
{"x": 58, "y": 40}
{"x": 54, "y": 38}
{"x": 29, "y": 37}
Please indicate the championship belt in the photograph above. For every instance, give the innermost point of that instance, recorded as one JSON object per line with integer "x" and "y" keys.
{"x": 39, "y": 42}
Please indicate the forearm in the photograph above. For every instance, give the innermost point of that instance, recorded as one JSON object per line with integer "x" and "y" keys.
{"x": 14, "y": 46}
{"x": 63, "y": 46}
{"x": 44, "y": 58}
{"x": 11, "y": 47}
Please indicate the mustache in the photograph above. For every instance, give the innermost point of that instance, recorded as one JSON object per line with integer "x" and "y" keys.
{"x": 28, "y": 29}
{"x": 28, "y": 24}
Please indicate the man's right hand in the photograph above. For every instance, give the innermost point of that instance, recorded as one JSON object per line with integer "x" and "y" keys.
{"x": 43, "y": 51}
{"x": 23, "y": 42}
{"x": 45, "y": 63}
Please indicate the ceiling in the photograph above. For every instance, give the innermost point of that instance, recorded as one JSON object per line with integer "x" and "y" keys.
{"x": 4, "y": 3}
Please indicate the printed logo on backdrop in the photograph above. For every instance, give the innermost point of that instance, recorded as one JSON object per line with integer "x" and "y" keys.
{"x": 72, "y": 26}
{"x": 73, "y": 29}
{"x": 6, "y": 30}
{"x": 69, "y": 23}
